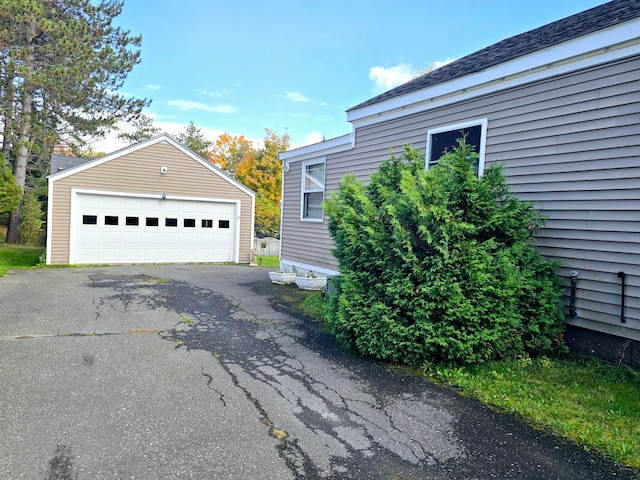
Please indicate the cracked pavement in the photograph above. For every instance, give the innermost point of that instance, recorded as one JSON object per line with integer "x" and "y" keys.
{"x": 203, "y": 371}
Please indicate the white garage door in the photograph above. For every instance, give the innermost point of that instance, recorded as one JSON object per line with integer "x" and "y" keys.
{"x": 119, "y": 229}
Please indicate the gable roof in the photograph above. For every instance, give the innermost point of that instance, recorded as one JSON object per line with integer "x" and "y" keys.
{"x": 161, "y": 138}
{"x": 574, "y": 26}
{"x": 64, "y": 162}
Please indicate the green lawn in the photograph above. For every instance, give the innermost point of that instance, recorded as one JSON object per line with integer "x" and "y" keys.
{"x": 18, "y": 256}
{"x": 265, "y": 261}
{"x": 597, "y": 405}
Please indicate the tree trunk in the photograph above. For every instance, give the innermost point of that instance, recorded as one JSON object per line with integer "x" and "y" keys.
{"x": 23, "y": 138}
{"x": 8, "y": 116}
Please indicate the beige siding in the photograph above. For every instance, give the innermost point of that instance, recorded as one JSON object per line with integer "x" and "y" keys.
{"x": 139, "y": 172}
{"x": 571, "y": 144}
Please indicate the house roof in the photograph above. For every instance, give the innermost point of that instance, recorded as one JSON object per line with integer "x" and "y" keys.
{"x": 580, "y": 24}
{"x": 64, "y": 162}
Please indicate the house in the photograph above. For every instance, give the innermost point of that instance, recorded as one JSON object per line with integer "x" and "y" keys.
{"x": 153, "y": 202}
{"x": 559, "y": 108}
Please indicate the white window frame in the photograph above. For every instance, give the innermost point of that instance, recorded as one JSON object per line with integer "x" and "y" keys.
{"x": 304, "y": 191}
{"x": 481, "y": 122}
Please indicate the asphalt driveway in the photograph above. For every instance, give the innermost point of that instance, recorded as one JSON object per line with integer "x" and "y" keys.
{"x": 202, "y": 372}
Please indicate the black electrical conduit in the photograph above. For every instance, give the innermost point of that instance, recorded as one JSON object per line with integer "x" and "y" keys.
{"x": 622, "y": 276}
{"x": 572, "y": 299}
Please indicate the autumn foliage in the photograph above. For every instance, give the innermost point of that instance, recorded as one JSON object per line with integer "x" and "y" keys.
{"x": 257, "y": 168}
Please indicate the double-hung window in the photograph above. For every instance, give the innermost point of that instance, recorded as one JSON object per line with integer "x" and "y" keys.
{"x": 312, "y": 190}
{"x": 445, "y": 139}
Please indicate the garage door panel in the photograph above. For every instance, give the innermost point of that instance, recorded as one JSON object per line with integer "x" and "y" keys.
{"x": 145, "y": 236}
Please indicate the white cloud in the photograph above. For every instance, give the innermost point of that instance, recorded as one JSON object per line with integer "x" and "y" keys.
{"x": 296, "y": 97}
{"x": 313, "y": 137}
{"x": 438, "y": 63}
{"x": 189, "y": 105}
{"x": 110, "y": 143}
{"x": 310, "y": 138}
{"x": 223, "y": 92}
{"x": 386, "y": 78}
{"x": 153, "y": 87}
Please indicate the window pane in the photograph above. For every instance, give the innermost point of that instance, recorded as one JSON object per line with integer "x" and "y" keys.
{"x": 189, "y": 222}
{"x": 133, "y": 221}
{"x": 170, "y": 222}
{"x": 89, "y": 219}
{"x": 110, "y": 220}
{"x": 223, "y": 223}
{"x": 313, "y": 205}
{"x": 447, "y": 141}
{"x": 207, "y": 223}
{"x": 314, "y": 179}
{"x": 152, "y": 221}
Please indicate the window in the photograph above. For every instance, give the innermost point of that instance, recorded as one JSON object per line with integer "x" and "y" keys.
{"x": 89, "y": 219}
{"x": 312, "y": 191}
{"x": 132, "y": 221}
{"x": 223, "y": 223}
{"x": 207, "y": 223}
{"x": 445, "y": 139}
{"x": 110, "y": 220}
{"x": 189, "y": 222}
{"x": 170, "y": 222}
{"x": 152, "y": 221}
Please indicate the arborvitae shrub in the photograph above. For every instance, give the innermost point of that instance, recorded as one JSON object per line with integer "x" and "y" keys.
{"x": 31, "y": 223}
{"x": 440, "y": 265}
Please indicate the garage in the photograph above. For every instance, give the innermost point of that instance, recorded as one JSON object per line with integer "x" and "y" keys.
{"x": 155, "y": 202}
{"x": 125, "y": 229}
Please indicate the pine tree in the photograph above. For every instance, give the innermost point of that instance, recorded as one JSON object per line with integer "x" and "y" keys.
{"x": 61, "y": 65}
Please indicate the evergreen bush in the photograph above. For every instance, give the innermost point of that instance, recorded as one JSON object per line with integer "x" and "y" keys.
{"x": 31, "y": 222}
{"x": 440, "y": 265}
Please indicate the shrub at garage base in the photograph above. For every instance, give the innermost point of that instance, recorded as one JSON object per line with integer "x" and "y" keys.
{"x": 440, "y": 265}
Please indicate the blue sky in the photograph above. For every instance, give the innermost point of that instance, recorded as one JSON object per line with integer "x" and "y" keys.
{"x": 296, "y": 66}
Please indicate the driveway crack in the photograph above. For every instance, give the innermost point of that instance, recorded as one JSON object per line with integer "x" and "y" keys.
{"x": 211, "y": 387}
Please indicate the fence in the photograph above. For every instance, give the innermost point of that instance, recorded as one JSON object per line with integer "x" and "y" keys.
{"x": 267, "y": 246}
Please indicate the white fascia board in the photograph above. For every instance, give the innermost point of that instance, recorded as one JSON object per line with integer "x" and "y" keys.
{"x": 115, "y": 193}
{"x": 334, "y": 145}
{"x": 599, "y": 47}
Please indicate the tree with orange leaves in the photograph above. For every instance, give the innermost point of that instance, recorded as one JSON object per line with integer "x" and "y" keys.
{"x": 261, "y": 171}
{"x": 228, "y": 151}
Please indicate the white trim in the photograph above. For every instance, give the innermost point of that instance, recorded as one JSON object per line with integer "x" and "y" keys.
{"x": 482, "y": 122}
{"x": 303, "y": 191}
{"x": 74, "y": 217}
{"x": 49, "y": 222}
{"x": 286, "y": 264}
{"x": 326, "y": 147}
{"x": 583, "y": 52}
{"x": 146, "y": 143}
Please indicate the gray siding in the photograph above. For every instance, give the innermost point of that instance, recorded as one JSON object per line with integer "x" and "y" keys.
{"x": 571, "y": 144}
{"x": 304, "y": 242}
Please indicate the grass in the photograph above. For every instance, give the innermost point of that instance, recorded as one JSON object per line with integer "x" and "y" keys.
{"x": 265, "y": 261}
{"x": 592, "y": 403}
{"x": 18, "y": 256}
